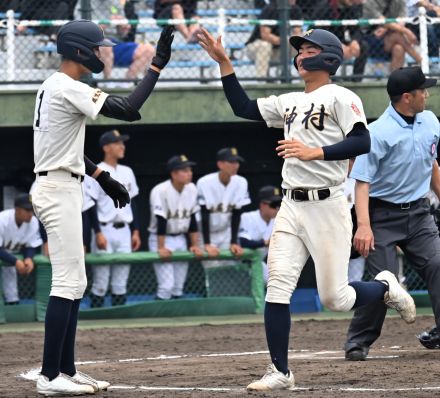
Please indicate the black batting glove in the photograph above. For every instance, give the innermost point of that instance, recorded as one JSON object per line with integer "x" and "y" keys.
{"x": 163, "y": 49}
{"x": 114, "y": 189}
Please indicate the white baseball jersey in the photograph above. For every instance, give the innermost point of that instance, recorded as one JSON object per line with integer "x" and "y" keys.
{"x": 61, "y": 109}
{"x": 221, "y": 199}
{"x": 90, "y": 192}
{"x": 106, "y": 208}
{"x": 253, "y": 227}
{"x": 177, "y": 207}
{"x": 320, "y": 118}
{"x": 13, "y": 237}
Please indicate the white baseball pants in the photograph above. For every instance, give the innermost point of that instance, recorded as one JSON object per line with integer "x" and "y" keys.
{"x": 118, "y": 241}
{"x": 322, "y": 229}
{"x": 57, "y": 202}
{"x": 170, "y": 276}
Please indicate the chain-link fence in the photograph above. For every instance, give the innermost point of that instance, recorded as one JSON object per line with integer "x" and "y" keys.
{"x": 226, "y": 280}
{"x": 377, "y": 36}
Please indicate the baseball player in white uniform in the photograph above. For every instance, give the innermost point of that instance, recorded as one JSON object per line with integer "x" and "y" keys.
{"x": 324, "y": 126}
{"x": 221, "y": 195}
{"x": 173, "y": 208}
{"x": 256, "y": 226}
{"x": 62, "y": 105}
{"x": 119, "y": 226}
{"x": 19, "y": 233}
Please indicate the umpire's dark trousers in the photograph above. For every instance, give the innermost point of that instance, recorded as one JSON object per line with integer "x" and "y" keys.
{"x": 412, "y": 228}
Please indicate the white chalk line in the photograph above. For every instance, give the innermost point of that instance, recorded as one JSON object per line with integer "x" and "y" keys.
{"x": 242, "y": 389}
{"x": 294, "y": 354}
{"x": 32, "y": 374}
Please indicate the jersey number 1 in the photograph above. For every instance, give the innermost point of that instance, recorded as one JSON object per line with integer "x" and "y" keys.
{"x": 37, "y": 123}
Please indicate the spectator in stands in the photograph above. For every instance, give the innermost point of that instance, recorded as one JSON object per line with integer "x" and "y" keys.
{"x": 179, "y": 9}
{"x": 394, "y": 38}
{"x": 19, "y": 233}
{"x": 6, "y": 5}
{"x": 126, "y": 53}
{"x": 45, "y": 10}
{"x": 173, "y": 205}
{"x": 264, "y": 43}
{"x": 256, "y": 226}
{"x": 351, "y": 37}
{"x": 311, "y": 7}
{"x": 433, "y": 10}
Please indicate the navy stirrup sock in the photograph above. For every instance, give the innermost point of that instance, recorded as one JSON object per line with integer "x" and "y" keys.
{"x": 56, "y": 323}
{"x": 277, "y": 323}
{"x": 368, "y": 292}
{"x": 67, "y": 364}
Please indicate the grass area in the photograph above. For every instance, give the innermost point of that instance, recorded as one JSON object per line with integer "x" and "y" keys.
{"x": 185, "y": 321}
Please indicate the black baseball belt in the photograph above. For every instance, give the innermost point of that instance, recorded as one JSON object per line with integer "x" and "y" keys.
{"x": 116, "y": 225}
{"x": 304, "y": 194}
{"x": 77, "y": 176}
{"x": 375, "y": 202}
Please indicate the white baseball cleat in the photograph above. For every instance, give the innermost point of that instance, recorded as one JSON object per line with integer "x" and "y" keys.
{"x": 397, "y": 297}
{"x": 83, "y": 378}
{"x": 62, "y": 385}
{"x": 273, "y": 380}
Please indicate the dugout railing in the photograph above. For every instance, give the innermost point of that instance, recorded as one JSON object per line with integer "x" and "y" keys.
{"x": 237, "y": 287}
{"x": 189, "y": 62}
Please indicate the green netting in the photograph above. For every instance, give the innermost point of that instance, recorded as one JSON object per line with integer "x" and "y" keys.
{"x": 231, "y": 289}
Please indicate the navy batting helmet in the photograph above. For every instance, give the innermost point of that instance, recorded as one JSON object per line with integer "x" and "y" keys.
{"x": 76, "y": 40}
{"x": 331, "y": 56}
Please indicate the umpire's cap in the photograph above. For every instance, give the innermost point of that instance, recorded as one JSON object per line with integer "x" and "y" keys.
{"x": 405, "y": 80}
{"x": 76, "y": 40}
{"x": 179, "y": 162}
{"x": 23, "y": 201}
{"x": 331, "y": 56}
{"x": 109, "y": 137}
{"x": 229, "y": 155}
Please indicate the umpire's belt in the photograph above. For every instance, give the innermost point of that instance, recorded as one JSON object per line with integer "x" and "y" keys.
{"x": 78, "y": 177}
{"x": 116, "y": 225}
{"x": 303, "y": 194}
{"x": 375, "y": 202}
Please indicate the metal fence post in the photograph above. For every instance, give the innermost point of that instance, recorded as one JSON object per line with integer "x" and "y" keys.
{"x": 10, "y": 45}
{"x": 423, "y": 29}
{"x": 284, "y": 16}
{"x": 86, "y": 9}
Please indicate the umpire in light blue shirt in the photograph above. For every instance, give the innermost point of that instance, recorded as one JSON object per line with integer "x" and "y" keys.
{"x": 392, "y": 182}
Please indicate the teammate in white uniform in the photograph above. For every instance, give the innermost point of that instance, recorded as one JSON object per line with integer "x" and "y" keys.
{"x": 256, "y": 226}
{"x": 119, "y": 226}
{"x": 62, "y": 105}
{"x": 173, "y": 208}
{"x": 19, "y": 233}
{"x": 89, "y": 215}
{"x": 221, "y": 195}
{"x": 323, "y": 126}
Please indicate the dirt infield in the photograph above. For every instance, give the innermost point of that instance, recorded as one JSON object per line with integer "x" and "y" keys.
{"x": 219, "y": 361}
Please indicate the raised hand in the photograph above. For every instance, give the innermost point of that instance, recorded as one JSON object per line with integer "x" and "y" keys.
{"x": 163, "y": 49}
{"x": 213, "y": 47}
